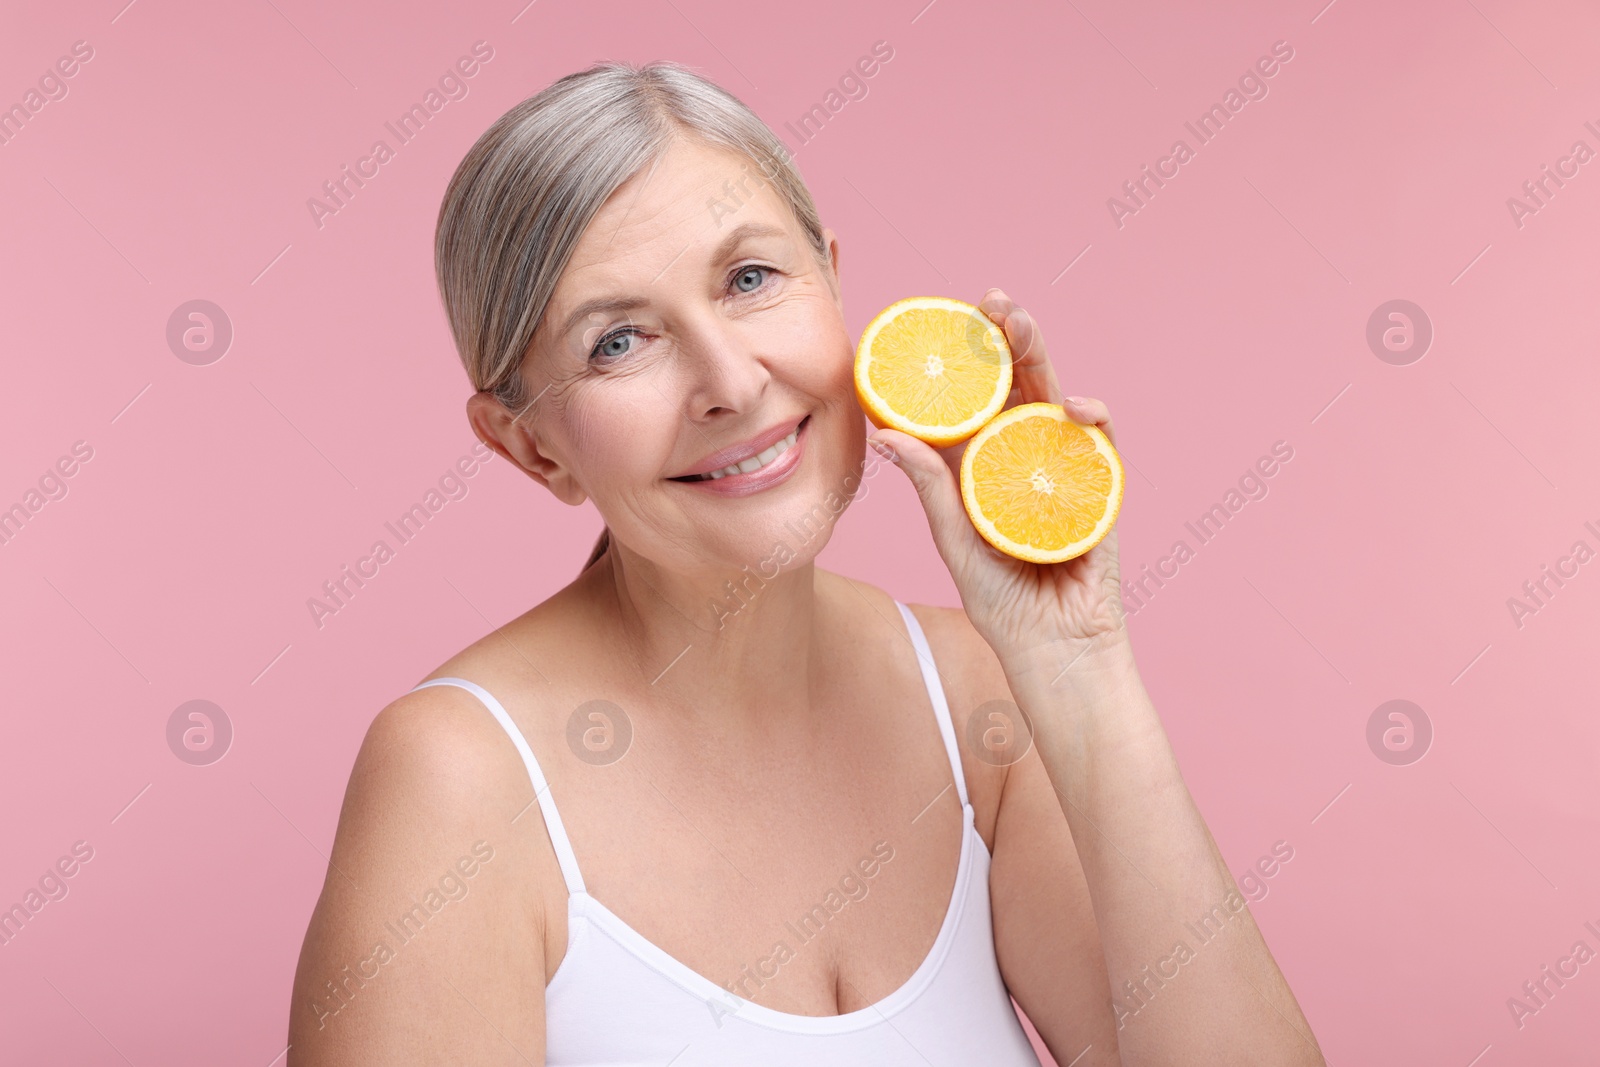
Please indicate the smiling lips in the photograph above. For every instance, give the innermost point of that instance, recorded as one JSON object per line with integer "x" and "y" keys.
{"x": 755, "y": 462}
{"x": 749, "y": 456}
{"x": 753, "y": 465}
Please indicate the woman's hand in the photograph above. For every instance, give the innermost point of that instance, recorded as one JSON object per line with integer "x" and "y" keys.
{"x": 1017, "y": 606}
{"x": 1107, "y": 757}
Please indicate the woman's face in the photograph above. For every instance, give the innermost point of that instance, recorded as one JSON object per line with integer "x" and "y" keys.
{"x": 694, "y": 328}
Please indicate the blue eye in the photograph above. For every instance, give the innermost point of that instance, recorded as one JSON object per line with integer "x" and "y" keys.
{"x": 753, "y": 275}
{"x": 613, "y": 346}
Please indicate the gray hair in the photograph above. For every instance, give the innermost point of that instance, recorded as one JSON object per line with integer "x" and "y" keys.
{"x": 522, "y": 197}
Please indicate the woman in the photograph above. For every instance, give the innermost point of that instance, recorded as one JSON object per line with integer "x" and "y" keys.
{"x": 797, "y": 823}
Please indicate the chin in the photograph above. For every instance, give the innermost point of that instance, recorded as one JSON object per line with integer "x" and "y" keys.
{"x": 787, "y": 520}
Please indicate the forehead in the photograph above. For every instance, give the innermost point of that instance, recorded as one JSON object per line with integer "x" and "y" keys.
{"x": 692, "y": 195}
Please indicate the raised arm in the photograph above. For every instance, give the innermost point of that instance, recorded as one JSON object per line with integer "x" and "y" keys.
{"x": 1189, "y": 978}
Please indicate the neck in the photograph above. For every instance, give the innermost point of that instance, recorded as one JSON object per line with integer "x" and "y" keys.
{"x": 728, "y": 643}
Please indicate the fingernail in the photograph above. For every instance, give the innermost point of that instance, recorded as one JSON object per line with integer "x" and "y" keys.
{"x": 1076, "y": 401}
{"x": 883, "y": 449}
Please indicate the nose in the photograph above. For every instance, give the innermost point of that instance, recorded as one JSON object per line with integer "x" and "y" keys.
{"x": 723, "y": 367}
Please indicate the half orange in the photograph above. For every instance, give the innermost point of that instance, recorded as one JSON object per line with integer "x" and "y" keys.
{"x": 1039, "y": 486}
{"x": 932, "y": 367}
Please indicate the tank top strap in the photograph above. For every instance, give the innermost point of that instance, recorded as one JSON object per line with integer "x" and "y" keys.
{"x": 941, "y": 707}
{"x": 541, "y": 788}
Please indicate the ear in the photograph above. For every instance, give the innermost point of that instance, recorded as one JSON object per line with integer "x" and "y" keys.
{"x": 832, "y": 240}
{"x": 516, "y": 439}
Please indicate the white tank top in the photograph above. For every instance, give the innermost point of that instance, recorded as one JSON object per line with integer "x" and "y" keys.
{"x": 620, "y": 999}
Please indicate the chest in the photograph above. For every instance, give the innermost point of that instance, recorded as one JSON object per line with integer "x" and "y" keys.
{"x": 813, "y": 880}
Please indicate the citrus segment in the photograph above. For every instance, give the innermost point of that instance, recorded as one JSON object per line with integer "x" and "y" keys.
{"x": 932, "y": 367}
{"x": 1039, "y": 486}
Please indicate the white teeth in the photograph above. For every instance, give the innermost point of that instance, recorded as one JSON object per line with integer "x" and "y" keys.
{"x": 757, "y": 461}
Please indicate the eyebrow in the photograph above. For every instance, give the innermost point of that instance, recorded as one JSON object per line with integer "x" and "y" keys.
{"x": 739, "y": 234}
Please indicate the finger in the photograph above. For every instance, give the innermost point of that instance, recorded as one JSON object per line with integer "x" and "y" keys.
{"x": 997, "y": 305}
{"x": 936, "y": 485}
{"x": 1090, "y": 412}
{"x": 1033, "y": 375}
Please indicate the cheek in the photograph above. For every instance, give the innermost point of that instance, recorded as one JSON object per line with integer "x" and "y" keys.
{"x": 618, "y": 441}
{"x": 827, "y": 372}
{"x": 823, "y": 358}
{"x": 843, "y": 363}
{"x": 825, "y": 369}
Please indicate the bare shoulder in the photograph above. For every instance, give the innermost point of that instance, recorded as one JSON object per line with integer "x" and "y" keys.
{"x": 436, "y": 752}
{"x": 976, "y": 689}
{"x": 974, "y": 684}
{"x": 427, "y": 883}
{"x": 972, "y": 663}
{"x": 966, "y": 662}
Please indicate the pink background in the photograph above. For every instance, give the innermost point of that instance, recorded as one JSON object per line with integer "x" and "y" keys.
{"x": 1229, "y": 313}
